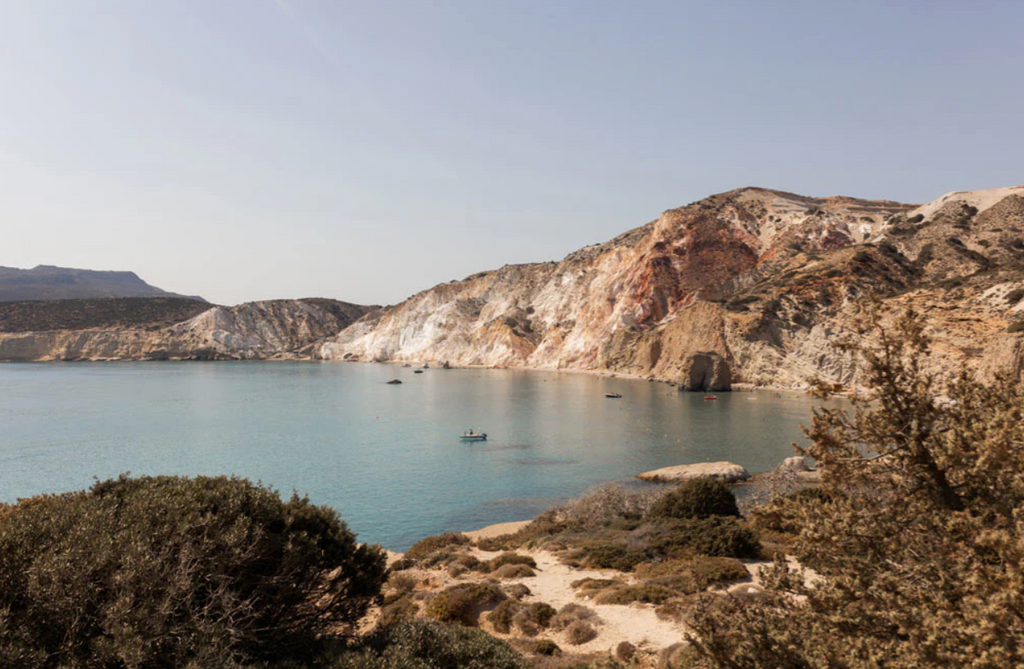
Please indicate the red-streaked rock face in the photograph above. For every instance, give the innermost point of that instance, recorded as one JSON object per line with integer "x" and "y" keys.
{"x": 643, "y": 303}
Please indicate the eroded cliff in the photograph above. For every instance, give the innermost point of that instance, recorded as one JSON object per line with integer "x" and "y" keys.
{"x": 254, "y": 330}
{"x": 762, "y": 279}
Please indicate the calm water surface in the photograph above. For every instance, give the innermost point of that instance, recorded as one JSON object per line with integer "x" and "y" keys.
{"x": 387, "y": 457}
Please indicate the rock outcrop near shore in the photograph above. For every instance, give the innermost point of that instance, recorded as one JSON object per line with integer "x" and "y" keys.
{"x": 726, "y": 471}
{"x": 759, "y": 281}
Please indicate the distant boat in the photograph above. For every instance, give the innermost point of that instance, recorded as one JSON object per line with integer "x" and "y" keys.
{"x": 473, "y": 436}
{"x": 426, "y": 365}
{"x": 613, "y": 396}
{"x": 394, "y": 382}
{"x": 711, "y": 397}
{"x": 406, "y": 365}
{"x": 417, "y": 371}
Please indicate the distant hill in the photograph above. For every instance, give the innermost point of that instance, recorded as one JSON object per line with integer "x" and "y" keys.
{"x": 47, "y": 282}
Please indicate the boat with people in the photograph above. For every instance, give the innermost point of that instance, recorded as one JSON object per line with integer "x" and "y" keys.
{"x": 711, "y": 397}
{"x": 473, "y": 435}
{"x": 613, "y": 396}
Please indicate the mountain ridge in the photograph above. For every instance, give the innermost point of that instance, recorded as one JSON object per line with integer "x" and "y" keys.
{"x": 50, "y": 282}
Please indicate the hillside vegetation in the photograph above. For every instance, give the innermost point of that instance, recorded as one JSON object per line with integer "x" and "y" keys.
{"x": 148, "y": 313}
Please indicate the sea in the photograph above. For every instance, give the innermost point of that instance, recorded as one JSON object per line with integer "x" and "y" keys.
{"x": 388, "y": 457}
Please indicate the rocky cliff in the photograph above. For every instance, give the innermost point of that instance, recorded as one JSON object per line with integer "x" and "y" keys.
{"x": 255, "y": 330}
{"x": 752, "y": 284}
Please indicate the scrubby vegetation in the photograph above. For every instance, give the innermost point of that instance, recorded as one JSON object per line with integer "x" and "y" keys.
{"x": 619, "y": 528}
{"x": 168, "y": 571}
{"x": 425, "y": 645}
{"x": 109, "y": 312}
{"x": 699, "y": 498}
{"x": 464, "y": 602}
{"x": 915, "y": 536}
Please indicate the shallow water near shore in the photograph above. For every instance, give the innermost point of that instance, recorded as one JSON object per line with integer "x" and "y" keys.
{"x": 387, "y": 457}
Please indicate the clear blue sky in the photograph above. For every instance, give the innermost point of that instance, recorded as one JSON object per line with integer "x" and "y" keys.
{"x": 253, "y": 149}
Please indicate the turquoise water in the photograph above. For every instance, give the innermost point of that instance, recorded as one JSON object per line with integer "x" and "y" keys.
{"x": 386, "y": 456}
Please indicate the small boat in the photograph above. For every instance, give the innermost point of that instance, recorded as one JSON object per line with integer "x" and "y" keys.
{"x": 417, "y": 371}
{"x": 394, "y": 382}
{"x": 613, "y": 396}
{"x": 711, "y": 397}
{"x": 406, "y": 365}
{"x": 426, "y": 365}
{"x": 473, "y": 436}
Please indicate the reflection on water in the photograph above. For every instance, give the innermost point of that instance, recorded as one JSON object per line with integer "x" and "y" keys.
{"x": 387, "y": 457}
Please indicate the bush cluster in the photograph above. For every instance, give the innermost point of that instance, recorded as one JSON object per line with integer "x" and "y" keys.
{"x": 167, "y": 571}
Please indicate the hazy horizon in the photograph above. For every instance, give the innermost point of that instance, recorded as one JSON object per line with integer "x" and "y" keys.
{"x": 287, "y": 148}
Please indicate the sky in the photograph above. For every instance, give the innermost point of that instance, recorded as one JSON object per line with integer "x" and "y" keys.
{"x": 258, "y": 149}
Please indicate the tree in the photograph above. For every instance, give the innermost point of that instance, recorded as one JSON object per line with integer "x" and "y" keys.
{"x": 915, "y": 540}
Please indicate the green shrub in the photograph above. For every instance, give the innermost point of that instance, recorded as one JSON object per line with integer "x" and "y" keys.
{"x": 716, "y": 536}
{"x": 627, "y": 594}
{"x": 425, "y": 547}
{"x": 428, "y": 645}
{"x": 509, "y": 558}
{"x": 608, "y": 555}
{"x": 168, "y": 571}
{"x": 697, "y": 498}
{"x": 399, "y": 609}
{"x": 462, "y": 603}
{"x": 588, "y": 586}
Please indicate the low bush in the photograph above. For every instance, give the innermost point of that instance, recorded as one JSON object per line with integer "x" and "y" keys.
{"x": 517, "y": 590}
{"x": 608, "y": 555}
{"x": 625, "y": 651}
{"x": 697, "y": 498}
{"x": 588, "y": 586}
{"x": 571, "y": 613}
{"x": 428, "y": 645}
{"x": 540, "y": 613}
{"x": 397, "y": 610}
{"x": 507, "y": 559}
{"x": 501, "y": 617}
{"x": 627, "y": 594}
{"x": 463, "y": 603}
{"x": 545, "y": 647}
{"x": 425, "y": 547}
{"x": 173, "y": 571}
{"x": 580, "y": 632}
{"x": 698, "y": 572}
{"x": 609, "y": 504}
{"x": 716, "y": 536}
{"x": 510, "y": 571}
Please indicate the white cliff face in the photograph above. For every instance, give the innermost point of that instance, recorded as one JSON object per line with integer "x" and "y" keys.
{"x": 256, "y": 330}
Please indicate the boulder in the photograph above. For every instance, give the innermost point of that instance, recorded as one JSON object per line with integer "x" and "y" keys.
{"x": 727, "y": 471}
{"x": 707, "y": 371}
{"x": 796, "y": 463}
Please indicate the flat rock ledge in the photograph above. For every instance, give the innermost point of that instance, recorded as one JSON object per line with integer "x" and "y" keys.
{"x": 727, "y": 471}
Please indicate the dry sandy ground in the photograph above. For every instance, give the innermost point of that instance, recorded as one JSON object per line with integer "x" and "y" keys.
{"x": 636, "y": 623}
